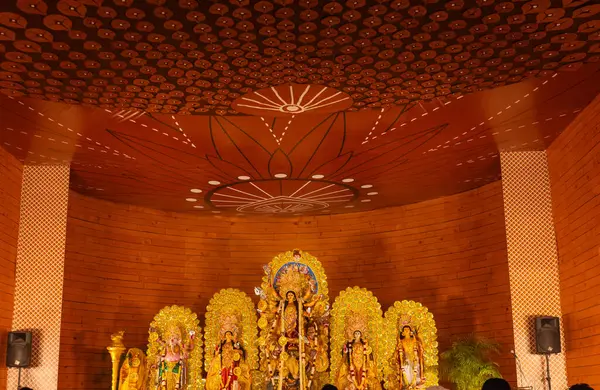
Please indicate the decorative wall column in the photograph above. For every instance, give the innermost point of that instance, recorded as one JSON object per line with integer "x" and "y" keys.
{"x": 40, "y": 271}
{"x": 532, "y": 262}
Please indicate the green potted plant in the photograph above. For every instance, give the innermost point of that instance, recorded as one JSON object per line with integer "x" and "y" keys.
{"x": 467, "y": 363}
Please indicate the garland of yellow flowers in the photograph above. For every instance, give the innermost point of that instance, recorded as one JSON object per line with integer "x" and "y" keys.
{"x": 268, "y": 353}
{"x": 282, "y": 342}
{"x": 314, "y": 359}
{"x": 312, "y": 373}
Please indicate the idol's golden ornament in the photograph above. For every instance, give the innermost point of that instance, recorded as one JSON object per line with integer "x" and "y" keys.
{"x": 293, "y": 299}
{"x": 231, "y": 346}
{"x": 357, "y": 340}
{"x": 412, "y": 348}
{"x": 133, "y": 371}
{"x": 259, "y": 379}
{"x": 116, "y": 350}
{"x": 175, "y": 350}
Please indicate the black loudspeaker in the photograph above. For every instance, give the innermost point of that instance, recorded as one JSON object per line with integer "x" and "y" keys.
{"x": 18, "y": 349}
{"x": 547, "y": 335}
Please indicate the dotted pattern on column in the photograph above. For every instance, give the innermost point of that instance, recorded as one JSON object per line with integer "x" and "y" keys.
{"x": 533, "y": 262}
{"x": 40, "y": 271}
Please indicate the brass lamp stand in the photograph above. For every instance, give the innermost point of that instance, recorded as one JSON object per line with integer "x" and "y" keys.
{"x": 116, "y": 350}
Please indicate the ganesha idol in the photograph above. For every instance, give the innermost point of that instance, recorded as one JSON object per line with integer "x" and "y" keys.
{"x": 174, "y": 350}
{"x": 173, "y": 360}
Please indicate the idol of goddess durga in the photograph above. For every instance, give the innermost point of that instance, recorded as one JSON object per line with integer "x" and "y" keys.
{"x": 291, "y": 358}
{"x": 292, "y": 306}
{"x": 294, "y": 318}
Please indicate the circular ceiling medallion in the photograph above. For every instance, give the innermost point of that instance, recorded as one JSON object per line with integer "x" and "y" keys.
{"x": 282, "y": 197}
{"x": 293, "y": 99}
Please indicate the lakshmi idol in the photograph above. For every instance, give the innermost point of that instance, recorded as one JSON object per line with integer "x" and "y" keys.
{"x": 230, "y": 336}
{"x": 228, "y": 370}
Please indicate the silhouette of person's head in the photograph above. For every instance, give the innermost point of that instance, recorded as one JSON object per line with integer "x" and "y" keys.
{"x": 495, "y": 384}
{"x": 581, "y": 386}
{"x": 329, "y": 387}
{"x": 26, "y": 388}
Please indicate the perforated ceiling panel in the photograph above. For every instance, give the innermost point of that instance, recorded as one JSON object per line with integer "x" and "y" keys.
{"x": 193, "y": 56}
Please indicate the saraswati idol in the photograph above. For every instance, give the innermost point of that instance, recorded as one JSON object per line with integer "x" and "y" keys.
{"x": 231, "y": 334}
{"x": 294, "y": 322}
{"x": 412, "y": 363}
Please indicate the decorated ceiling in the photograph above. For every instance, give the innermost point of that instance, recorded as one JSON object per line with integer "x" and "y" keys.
{"x": 289, "y": 107}
{"x": 191, "y": 56}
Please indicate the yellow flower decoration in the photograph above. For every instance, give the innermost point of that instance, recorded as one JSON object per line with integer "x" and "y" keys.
{"x": 283, "y": 341}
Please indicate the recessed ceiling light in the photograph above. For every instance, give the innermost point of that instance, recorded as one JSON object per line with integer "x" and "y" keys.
{"x": 216, "y": 212}
{"x": 191, "y": 199}
{"x": 243, "y": 177}
{"x": 318, "y": 176}
{"x": 366, "y": 186}
{"x": 349, "y": 206}
{"x": 372, "y": 193}
{"x": 348, "y": 180}
{"x": 198, "y": 207}
{"x": 280, "y": 175}
{"x": 365, "y": 200}
{"x": 214, "y": 183}
{"x": 196, "y": 190}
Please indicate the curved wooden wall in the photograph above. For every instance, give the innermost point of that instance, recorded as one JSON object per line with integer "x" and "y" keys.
{"x": 575, "y": 178}
{"x": 125, "y": 263}
{"x": 11, "y": 176}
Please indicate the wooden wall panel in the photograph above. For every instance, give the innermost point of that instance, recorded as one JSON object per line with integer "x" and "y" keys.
{"x": 574, "y": 160}
{"x": 125, "y": 263}
{"x": 11, "y": 176}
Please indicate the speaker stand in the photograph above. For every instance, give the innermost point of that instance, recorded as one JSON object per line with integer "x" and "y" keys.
{"x": 548, "y": 371}
{"x": 19, "y": 381}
